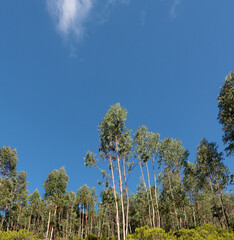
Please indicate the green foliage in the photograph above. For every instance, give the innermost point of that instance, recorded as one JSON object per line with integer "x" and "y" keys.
{"x": 8, "y": 161}
{"x": 92, "y": 237}
{"x": 56, "y": 183}
{"x": 112, "y": 128}
{"x": 207, "y": 232}
{"x": 144, "y": 233}
{"x": 90, "y": 159}
{"x": 20, "y": 235}
{"x": 226, "y": 112}
{"x": 198, "y": 233}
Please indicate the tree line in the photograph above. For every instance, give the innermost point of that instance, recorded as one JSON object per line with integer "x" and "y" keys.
{"x": 183, "y": 195}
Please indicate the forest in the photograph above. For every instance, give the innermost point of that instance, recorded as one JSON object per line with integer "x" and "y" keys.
{"x": 186, "y": 200}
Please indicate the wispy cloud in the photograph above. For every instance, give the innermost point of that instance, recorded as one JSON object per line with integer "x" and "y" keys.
{"x": 173, "y": 9}
{"x": 70, "y": 15}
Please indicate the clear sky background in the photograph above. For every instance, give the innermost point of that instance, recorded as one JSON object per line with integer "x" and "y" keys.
{"x": 64, "y": 62}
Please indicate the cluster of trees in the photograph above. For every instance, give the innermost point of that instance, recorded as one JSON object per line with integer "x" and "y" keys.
{"x": 182, "y": 195}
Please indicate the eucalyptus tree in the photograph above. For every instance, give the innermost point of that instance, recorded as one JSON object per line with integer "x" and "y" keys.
{"x": 55, "y": 188}
{"x": 112, "y": 131}
{"x": 226, "y": 112}
{"x": 125, "y": 147}
{"x": 21, "y": 198}
{"x": 153, "y": 144}
{"x": 191, "y": 186}
{"x": 143, "y": 155}
{"x": 210, "y": 166}
{"x": 107, "y": 207}
{"x": 69, "y": 222}
{"x": 139, "y": 208}
{"x": 8, "y": 162}
{"x": 174, "y": 156}
{"x": 35, "y": 214}
{"x": 86, "y": 200}
{"x": 6, "y": 194}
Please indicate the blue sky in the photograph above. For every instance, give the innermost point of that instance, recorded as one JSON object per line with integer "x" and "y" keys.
{"x": 64, "y": 62}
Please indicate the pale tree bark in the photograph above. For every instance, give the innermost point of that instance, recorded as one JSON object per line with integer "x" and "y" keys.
{"x": 221, "y": 202}
{"x": 127, "y": 210}
{"x": 115, "y": 196}
{"x": 52, "y": 230}
{"x": 216, "y": 206}
{"x": 121, "y": 188}
{"x": 173, "y": 199}
{"x": 151, "y": 198}
{"x": 82, "y": 226}
{"x": 48, "y": 224}
{"x": 143, "y": 179}
{"x": 86, "y": 221}
{"x": 193, "y": 208}
{"x": 29, "y": 220}
{"x": 185, "y": 215}
{"x": 156, "y": 197}
{"x": 79, "y": 228}
{"x": 3, "y": 218}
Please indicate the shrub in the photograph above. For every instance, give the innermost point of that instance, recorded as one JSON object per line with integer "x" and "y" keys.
{"x": 144, "y": 233}
{"x": 20, "y": 235}
{"x": 207, "y": 232}
{"x": 92, "y": 237}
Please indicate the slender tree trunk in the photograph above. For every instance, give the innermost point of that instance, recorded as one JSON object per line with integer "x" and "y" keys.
{"x": 51, "y": 234}
{"x": 48, "y": 224}
{"x": 173, "y": 199}
{"x": 115, "y": 196}
{"x": 185, "y": 215}
{"x": 86, "y": 221}
{"x": 198, "y": 209}
{"x": 121, "y": 188}
{"x": 79, "y": 228}
{"x": 127, "y": 210}
{"x": 17, "y": 223}
{"x": 222, "y": 205}
{"x": 3, "y": 218}
{"x": 143, "y": 179}
{"x": 156, "y": 197}
{"x": 67, "y": 225}
{"x": 99, "y": 221}
{"x": 55, "y": 211}
{"x": 151, "y": 198}
{"x": 212, "y": 190}
{"x": 194, "y": 215}
{"x": 29, "y": 220}
{"x": 82, "y": 226}
{"x": 91, "y": 224}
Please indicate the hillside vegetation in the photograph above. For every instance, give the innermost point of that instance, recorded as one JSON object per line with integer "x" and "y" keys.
{"x": 175, "y": 198}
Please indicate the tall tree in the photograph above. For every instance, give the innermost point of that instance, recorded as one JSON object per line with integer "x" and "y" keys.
{"x": 143, "y": 155}
{"x": 8, "y": 162}
{"x": 153, "y": 146}
{"x": 112, "y": 130}
{"x": 174, "y": 157}
{"x": 55, "y": 188}
{"x": 210, "y": 165}
{"x": 226, "y": 112}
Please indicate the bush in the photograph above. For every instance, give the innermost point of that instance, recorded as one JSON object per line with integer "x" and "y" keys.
{"x": 207, "y": 232}
{"x": 144, "y": 233}
{"x": 92, "y": 237}
{"x": 20, "y": 235}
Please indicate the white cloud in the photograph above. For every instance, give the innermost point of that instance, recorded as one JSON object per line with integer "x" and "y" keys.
{"x": 174, "y": 7}
{"x": 70, "y": 15}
